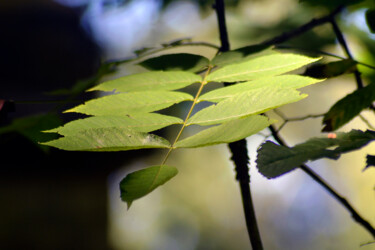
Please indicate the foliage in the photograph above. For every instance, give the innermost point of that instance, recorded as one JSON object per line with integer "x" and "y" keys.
{"x": 275, "y": 160}
{"x": 122, "y": 121}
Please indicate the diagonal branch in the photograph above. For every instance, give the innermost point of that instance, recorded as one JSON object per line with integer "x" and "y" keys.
{"x": 358, "y": 218}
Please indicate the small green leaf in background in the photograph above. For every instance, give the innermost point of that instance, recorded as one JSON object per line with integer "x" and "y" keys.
{"x": 31, "y": 127}
{"x": 348, "y": 107}
{"x": 370, "y": 19}
{"x": 139, "y": 122}
{"x": 331, "y": 69}
{"x": 154, "y": 80}
{"x": 370, "y": 161}
{"x": 241, "y": 54}
{"x": 284, "y": 81}
{"x": 250, "y": 102}
{"x": 265, "y": 66}
{"x": 182, "y": 61}
{"x": 227, "y": 132}
{"x": 131, "y": 103}
{"x": 142, "y": 182}
{"x": 108, "y": 139}
{"x": 275, "y": 160}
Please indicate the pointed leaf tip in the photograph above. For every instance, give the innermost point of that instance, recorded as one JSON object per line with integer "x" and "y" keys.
{"x": 142, "y": 182}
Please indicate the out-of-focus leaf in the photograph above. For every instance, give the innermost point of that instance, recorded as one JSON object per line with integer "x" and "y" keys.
{"x": 108, "y": 139}
{"x": 143, "y": 182}
{"x": 225, "y": 133}
{"x": 154, "y": 80}
{"x": 347, "y": 108}
{"x": 331, "y": 69}
{"x": 247, "y": 103}
{"x": 131, "y": 103}
{"x": 240, "y": 54}
{"x": 370, "y": 161}
{"x": 31, "y": 127}
{"x": 275, "y": 160}
{"x": 370, "y": 19}
{"x": 182, "y": 61}
{"x": 284, "y": 81}
{"x": 139, "y": 122}
{"x": 264, "y": 66}
{"x": 330, "y": 4}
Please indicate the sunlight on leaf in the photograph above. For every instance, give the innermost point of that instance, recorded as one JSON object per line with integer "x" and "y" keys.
{"x": 139, "y": 122}
{"x": 108, "y": 139}
{"x": 131, "y": 103}
{"x": 284, "y": 81}
{"x": 226, "y": 133}
{"x": 154, "y": 80}
{"x": 247, "y": 103}
{"x": 264, "y": 66}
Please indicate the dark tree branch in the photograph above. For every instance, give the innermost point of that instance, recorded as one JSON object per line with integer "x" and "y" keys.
{"x": 239, "y": 149}
{"x": 304, "y": 28}
{"x": 329, "y": 189}
{"x": 344, "y": 45}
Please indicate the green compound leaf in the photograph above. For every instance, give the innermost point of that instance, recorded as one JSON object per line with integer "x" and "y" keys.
{"x": 241, "y": 54}
{"x": 349, "y": 107}
{"x": 131, "y": 103}
{"x": 227, "y": 132}
{"x": 154, "y": 80}
{"x": 264, "y": 66}
{"x": 143, "y": 182}
{"x": 139, "y": 122}
{"x": 248, "y": 103}
{"x": 108, "y": 139}
{"x": 331, "y": 69}
{"x": 182, "y": 61}
{"x": 284, "y": 81}
{"x": 275, "y": 160}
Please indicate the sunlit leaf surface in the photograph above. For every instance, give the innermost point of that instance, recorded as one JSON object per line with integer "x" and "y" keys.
{"x": 227, "y": 132}
{"x": 264, "y": 66}
{"x": 153, "y": 80}
{"x": 108, "y": 139}
{"x": 139, "y": 122}
{"x": 131, "y": 103}
{"x": 284, "y": 81}
{"x": 245, "y": 104}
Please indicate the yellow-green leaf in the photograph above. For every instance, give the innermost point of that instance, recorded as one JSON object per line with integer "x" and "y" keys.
{"x": 131, "y": 103}
{"x": 264, "y": 66}
{"x": 225, "y": 133}
{"x": 139, "y": 122}
{"x": 248, "y": 103}
{"x": 154, "y": 80}
{"x": 108, "y": 139}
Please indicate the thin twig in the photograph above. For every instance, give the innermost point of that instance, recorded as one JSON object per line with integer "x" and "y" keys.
{"x": 329, "y": 189}
{"x": 239, "y": 150}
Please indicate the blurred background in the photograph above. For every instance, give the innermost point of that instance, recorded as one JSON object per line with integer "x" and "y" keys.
{"x": 50, "y": 199}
